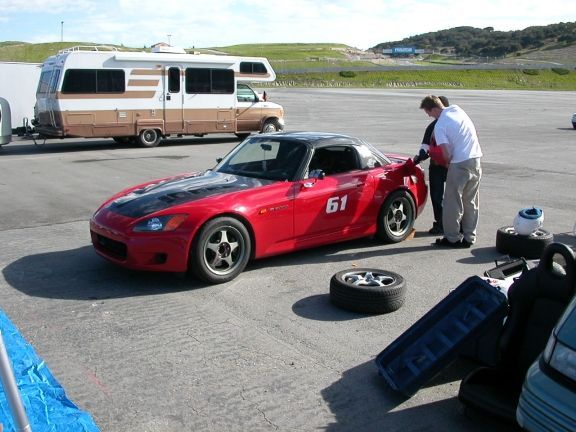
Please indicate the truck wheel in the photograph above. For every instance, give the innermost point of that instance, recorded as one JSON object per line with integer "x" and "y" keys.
{"x": 368, "y": 290}
{"x": 148, "y": 138}
{"x": 509, "y": 242}
{"x": 271, "y": 126}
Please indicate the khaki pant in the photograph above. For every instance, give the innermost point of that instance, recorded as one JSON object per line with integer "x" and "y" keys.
{"x": 462, "y": 200}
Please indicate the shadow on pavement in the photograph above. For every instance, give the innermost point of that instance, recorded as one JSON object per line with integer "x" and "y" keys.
{"x": 80, "y": 274}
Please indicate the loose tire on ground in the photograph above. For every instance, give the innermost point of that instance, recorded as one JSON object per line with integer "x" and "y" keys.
{"x": 220, "y": 251}
{"x": 366, "y": 290}
{"x": 509, "y": 242}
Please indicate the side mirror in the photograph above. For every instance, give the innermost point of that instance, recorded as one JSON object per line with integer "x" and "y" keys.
{"x": 317, "y": 174}
{"x": 218, "y": 160}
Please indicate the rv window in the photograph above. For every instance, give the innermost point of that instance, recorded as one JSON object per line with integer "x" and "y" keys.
{"x": 174, "y": 80}
{"x": 208, "y": 81}
{"x": 93, "y": 81}
{"x": 44, "y": 82}
{"x": 253, "y": 68}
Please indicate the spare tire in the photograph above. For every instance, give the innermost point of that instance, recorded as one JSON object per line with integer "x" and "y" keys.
{"x": 531, "y": 246}
{"x": 366, "y": 290}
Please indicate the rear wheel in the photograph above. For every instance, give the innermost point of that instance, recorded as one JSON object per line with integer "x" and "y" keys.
{"x": 396, "y": 218}
{"x": 149, "y": 138}
{"x": 220, "y": 250}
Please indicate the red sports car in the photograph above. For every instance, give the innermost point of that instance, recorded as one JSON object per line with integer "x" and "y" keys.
{"x": 273, "y": 193}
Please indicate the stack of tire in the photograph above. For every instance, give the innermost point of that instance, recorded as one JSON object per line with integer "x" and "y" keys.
{"x": 525, "y": 238}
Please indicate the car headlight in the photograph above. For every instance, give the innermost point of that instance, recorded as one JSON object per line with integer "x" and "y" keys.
{"x": 560, "y": 357}
{"x": 160, "y": 223}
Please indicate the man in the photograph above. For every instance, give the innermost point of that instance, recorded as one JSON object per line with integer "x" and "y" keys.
{"x": 437, "y": 171}
{"x": 456, "y": 136}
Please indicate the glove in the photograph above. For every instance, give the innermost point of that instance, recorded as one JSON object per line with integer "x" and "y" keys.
{"x": 422, "y": 155}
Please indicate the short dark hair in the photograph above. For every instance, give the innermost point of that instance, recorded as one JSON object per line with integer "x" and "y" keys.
{"x": 431, "y": 102}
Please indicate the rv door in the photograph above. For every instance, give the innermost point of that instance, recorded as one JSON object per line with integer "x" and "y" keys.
{"x": 173, "y": 82}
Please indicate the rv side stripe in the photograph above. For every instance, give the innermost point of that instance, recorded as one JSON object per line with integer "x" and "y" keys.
{"x": 143, "y": 83}
{"x": 146, "y": 72}
{"x": 125, "y": 95}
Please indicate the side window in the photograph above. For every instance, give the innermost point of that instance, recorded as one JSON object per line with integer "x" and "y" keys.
{"x": 245, "y": 94}
{"x": 207, "y": 81}
{"x": 94, "y": 81}
{"x": 253, "y": 68}
{"x": 334, "y": 160}
{"x": 174, "y": 80}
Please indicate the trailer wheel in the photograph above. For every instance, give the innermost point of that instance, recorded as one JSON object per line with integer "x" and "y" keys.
{"x": 148, "y": 138}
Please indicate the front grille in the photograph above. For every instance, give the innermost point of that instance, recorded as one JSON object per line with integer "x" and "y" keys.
{"x": 110, "y": 247}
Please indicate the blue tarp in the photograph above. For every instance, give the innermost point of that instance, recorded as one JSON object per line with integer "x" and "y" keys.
{"x": 46, "y": 404}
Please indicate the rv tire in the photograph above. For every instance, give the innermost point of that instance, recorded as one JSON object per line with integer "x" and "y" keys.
{"x": 271, "y": 126}
{"x": 148, "y": 138}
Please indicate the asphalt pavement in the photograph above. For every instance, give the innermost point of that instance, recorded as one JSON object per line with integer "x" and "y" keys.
{"x": 267, "y": 351}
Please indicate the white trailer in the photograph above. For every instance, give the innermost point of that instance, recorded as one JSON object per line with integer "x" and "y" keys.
{"x": 143, "y": 97}
{"x": 18, "y": 84}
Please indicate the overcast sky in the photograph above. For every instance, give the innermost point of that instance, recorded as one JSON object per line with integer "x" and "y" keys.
{"x": 187, "y": 23}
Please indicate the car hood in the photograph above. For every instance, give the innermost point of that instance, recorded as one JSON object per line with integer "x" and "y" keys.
{"x": 180, "y": 190}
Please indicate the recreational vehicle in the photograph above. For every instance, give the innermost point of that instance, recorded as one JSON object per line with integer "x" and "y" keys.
{"x": 142, "y": 97}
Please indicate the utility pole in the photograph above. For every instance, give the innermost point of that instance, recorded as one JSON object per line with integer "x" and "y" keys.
{"x": 169, "y": 36}
{"x": 61, "y": 31}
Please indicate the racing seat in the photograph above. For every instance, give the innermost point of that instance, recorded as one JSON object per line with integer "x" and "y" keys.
{"x": 536, "y": 302}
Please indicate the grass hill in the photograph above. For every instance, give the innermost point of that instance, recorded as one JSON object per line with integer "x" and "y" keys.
{"x": 486, "y": 42}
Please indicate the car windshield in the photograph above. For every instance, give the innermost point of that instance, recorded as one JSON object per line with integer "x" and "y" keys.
{"x": 265, "y": 158}
{"x": 567, "y": 326}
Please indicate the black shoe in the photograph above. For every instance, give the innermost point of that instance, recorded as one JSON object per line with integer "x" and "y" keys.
{"x": 436, "y": 230}
{"x": 465, "y": 244}
{"x": 444, "y": 242}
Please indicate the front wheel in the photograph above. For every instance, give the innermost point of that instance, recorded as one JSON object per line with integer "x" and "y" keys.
{"x": 271, "y": 126}
{"x": 220, "y": 250}
{"x": 148, "y": 138}
{"x": 396, "y": 218}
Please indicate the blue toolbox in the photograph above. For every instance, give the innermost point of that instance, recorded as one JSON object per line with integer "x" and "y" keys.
{"x": 437, "y": 338}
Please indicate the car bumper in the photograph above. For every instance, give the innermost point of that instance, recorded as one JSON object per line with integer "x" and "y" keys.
{"x": 143, "y": 251}
{"x": 545, "y": 404}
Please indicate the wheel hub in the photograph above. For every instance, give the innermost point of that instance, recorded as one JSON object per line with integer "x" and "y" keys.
{"x": 224, "y": 250}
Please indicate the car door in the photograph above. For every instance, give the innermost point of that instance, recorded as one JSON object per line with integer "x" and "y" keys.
{"x": 339, "y": 204}
{"x": 248, "y": 109}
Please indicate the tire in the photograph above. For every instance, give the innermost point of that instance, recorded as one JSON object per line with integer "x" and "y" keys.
{"x": 509, "y": 242}
{"x": 396, "y": 217}
{"x": 370, "y": 291}
{"x": 271, "y": 126}
{"x": 220, "y": 250}
{"x": 148, "y": 138}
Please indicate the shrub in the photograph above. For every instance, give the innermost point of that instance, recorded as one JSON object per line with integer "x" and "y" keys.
{"x": 561, "y": 71}
{"x": 347, "y": 74}
{"x": 531, "y": 71}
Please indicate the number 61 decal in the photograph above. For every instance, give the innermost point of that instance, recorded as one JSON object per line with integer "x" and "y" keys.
{"x": 336, "y": 204}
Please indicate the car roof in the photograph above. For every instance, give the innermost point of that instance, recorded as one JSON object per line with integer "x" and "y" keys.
{"x": 316, "y": 139}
